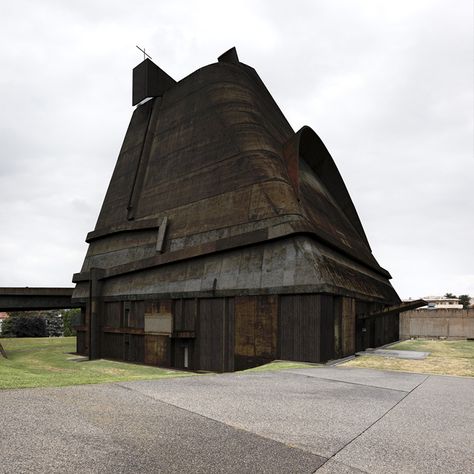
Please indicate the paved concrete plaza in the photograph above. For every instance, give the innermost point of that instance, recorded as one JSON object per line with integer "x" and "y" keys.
{"x": 329, "y": 420}
{"x": 414, "y": 355}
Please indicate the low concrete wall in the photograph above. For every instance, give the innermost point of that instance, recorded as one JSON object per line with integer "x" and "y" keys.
{"x": 448, "y": 323}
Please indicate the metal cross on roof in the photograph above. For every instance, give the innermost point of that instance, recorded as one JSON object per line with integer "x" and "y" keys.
{"x": 145, "y": 54}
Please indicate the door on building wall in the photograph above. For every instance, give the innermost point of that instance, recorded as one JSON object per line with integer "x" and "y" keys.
{"x": 215, "y": 335}
{"x": 256, "y": 323}
{"x": 361, "y": 335}
{"x": 183, "y": 354}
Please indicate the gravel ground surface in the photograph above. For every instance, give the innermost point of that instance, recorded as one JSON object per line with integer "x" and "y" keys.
{"x": 329, "y": 420}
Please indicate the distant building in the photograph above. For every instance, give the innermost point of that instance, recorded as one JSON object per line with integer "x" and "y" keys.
{"x": 441, "y": 302}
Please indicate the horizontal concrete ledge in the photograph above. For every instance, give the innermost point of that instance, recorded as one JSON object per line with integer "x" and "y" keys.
{"x": 36, "y": 291}
{"x": 259, "y": 236}
{"x": 280, "y": 290}
{"x": 147, "y": 224}
{"x": 31, "y": 299}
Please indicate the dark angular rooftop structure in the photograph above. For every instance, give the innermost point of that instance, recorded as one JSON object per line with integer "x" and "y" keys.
{"x": 226, "y": 239}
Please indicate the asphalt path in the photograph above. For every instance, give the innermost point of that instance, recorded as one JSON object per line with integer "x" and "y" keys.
{"x": 325, "y": 420}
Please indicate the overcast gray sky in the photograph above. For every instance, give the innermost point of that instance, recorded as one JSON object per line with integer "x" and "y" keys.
{"x": 388, "y": 86}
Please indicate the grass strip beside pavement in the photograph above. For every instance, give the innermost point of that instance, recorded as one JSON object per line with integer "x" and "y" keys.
{"x": 446, "y": 358}
{"x": 48, "y": 362}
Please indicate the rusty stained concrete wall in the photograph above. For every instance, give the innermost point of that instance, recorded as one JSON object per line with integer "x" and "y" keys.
{"x": 448, "y": 323}
{"x": 215, "y": 197}
{"x": 294, "y": 265}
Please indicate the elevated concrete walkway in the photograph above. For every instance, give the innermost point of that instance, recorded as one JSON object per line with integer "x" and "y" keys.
{"x": 30, "y": 299}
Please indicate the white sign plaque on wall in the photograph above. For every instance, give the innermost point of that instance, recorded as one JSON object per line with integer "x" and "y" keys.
{"x": 159, "y": 323}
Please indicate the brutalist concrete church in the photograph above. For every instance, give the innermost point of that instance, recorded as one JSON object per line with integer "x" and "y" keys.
{"x": 226, "y": 240}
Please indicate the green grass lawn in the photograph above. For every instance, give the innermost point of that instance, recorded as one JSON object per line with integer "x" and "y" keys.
{"x": 48, "y": 362}
{"x": 446, "y": 358}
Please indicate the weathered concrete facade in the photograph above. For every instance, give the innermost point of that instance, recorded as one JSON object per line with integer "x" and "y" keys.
{"x": 225, "y": 238}
{"x": 434, "y": 323}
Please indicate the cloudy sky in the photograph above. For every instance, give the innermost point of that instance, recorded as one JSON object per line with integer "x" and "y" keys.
{"x": 388, "y": 86}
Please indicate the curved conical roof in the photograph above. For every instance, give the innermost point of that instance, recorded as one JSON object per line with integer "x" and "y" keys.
{"x": 215, "y": 165}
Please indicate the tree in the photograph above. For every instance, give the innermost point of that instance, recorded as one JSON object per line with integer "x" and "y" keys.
{"x": 24, "y": 325}
{"x": 465, "y": 300}
{"x": 449, "y": 295}
{"x": 54, "y": 324}
{"x": 6, "y": 327}
{"x": 33, "y": 324}
{"x": 70, "y": 319}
